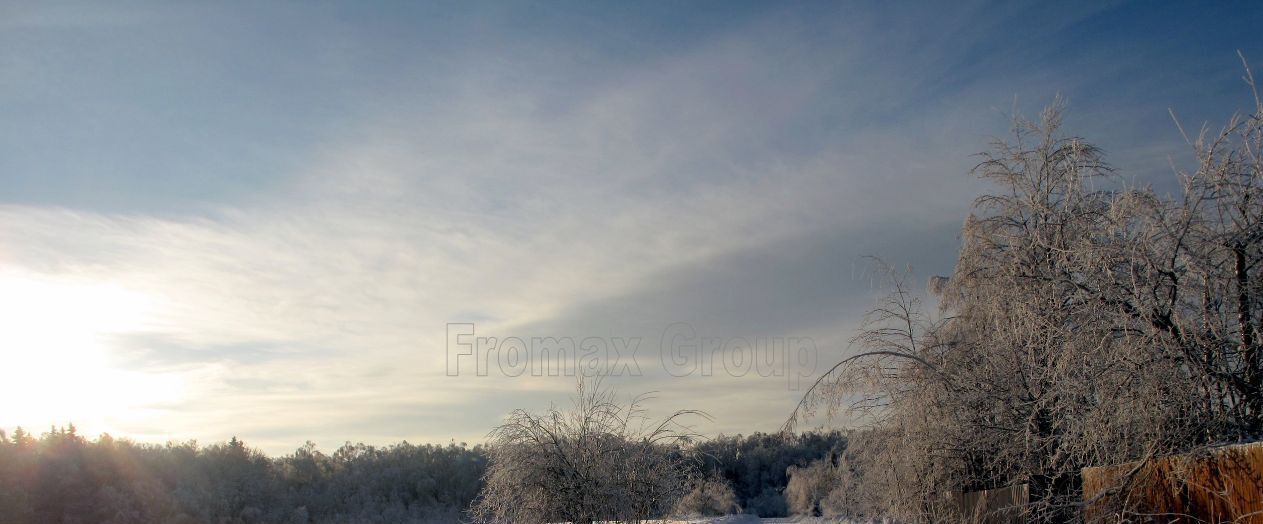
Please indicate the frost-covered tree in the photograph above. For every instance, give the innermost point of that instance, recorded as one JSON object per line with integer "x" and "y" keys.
{"x": 1085, "y": 323}
{"x": 757, "y": 465}
{"x": 707, "y": 497}
{"x": 600, "y": 460}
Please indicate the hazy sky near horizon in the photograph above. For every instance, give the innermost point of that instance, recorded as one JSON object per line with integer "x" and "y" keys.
{"x": 251, "y": 219}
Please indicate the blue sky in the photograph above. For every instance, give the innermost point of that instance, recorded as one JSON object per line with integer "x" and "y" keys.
{"x": 257, "y": 219}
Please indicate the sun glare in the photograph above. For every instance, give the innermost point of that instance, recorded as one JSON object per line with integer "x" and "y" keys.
{"x": 55, "y": 335}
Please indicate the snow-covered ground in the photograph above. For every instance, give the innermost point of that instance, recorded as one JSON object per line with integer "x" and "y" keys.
{"x": 750, "y": 519}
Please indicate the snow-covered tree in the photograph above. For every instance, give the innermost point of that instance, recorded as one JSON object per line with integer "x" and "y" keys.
{"x": 600, "y": 460}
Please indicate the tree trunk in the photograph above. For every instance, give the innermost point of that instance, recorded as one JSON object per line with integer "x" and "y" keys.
{"x": 1253, "y": 359}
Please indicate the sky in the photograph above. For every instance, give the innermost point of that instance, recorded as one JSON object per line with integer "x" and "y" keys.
{"x": 264, "y": 219}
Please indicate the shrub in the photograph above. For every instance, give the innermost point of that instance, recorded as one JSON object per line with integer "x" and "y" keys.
{"x": 601, "y": 460}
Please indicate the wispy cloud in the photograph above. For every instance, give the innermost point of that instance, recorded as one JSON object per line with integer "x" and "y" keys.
{"x": 532, "y": 185}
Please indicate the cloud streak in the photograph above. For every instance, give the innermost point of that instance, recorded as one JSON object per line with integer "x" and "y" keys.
{"x": 532, "y": 185}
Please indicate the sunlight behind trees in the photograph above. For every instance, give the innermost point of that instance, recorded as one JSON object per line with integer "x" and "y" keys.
{"x": 56, "y": 333}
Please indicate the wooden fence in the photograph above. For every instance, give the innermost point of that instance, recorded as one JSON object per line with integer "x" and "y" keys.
{"x": 1222, "y": 484}
{"x": 1005, "y": 505}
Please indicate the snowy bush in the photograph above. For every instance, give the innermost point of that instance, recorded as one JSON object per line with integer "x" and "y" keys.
{"x": 600, "y": 460}
{"x": 708, "y": 497}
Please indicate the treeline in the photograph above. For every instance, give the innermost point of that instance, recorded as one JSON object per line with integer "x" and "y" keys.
{"x": 757, "y": 466}
{"x": 61, "y": 476}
